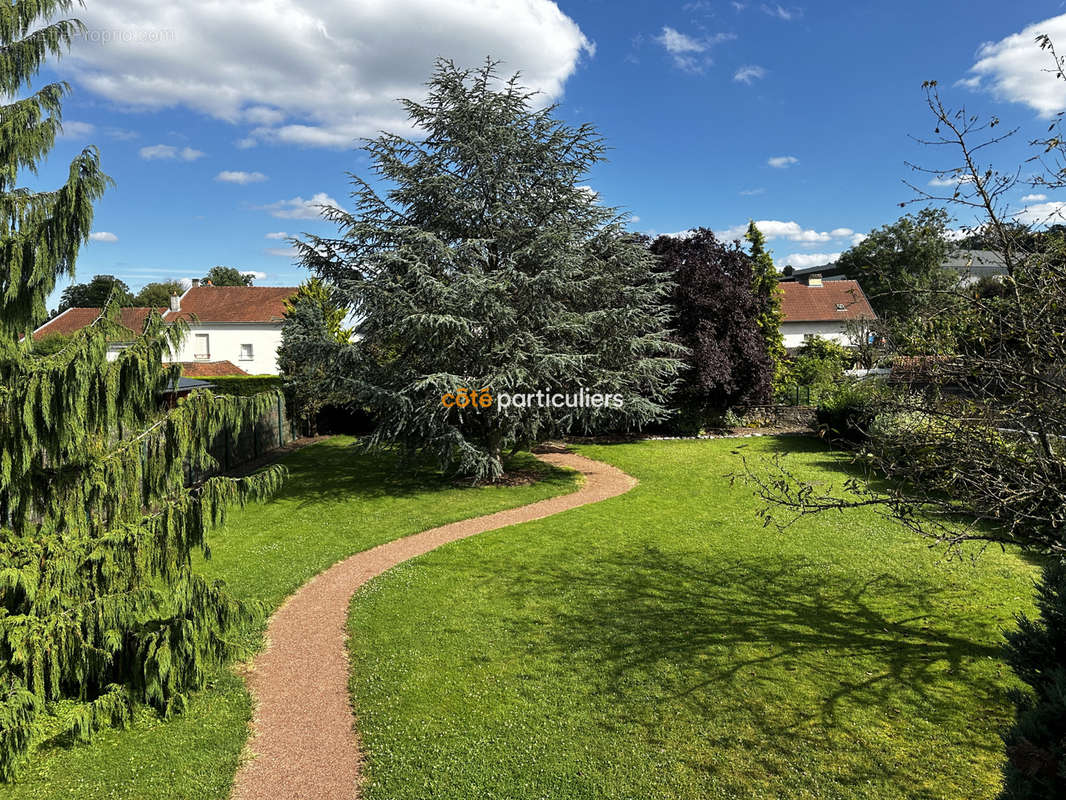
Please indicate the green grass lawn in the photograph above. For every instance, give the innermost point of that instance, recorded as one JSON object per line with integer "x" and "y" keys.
{"x": 663, "y": 644}
{"x": 336, "y": 502}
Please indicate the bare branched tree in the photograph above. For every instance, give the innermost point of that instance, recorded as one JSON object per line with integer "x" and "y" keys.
{"x": 974, "y": 448}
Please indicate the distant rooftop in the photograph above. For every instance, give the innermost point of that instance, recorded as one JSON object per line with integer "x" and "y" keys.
{"x": 256, "y": 304}
{"x": 969, "y": 263}
{"x": 829, "y": 302}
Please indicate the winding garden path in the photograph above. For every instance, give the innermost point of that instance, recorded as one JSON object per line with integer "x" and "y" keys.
{"x": 304, "y": 744}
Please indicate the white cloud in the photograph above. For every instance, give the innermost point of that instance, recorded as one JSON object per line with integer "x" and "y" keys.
{"x": 804, "y": 260}
{"x": 236, "y": 176}
{"x": 782, "y": 162}
{"x": 687, "y": 52}
{"x": 749, "y": 73}
{"x": 314, "y": 72}
{"x": 752, "y": 192}
{"x": 840, "y": 233}
{"x": 277, "y": 235}
{"x": 77, "y": 130}
{"x": 1034, "y": 198}
{"x": 857, "y": 238}
{"x": 168, "y": 152}
{"x": 282, "y": 252}
{"x": 122, "y": 134}
{"x": 676, "y": 42}
{"x": 1014, "y": 68}
{"x": 257, "y": 275}
{"x": 1050, "y": 213}
{"x": 950, "y": 179}
{"x": 102, "y": 236}
{"x": 298, "y": 208}
{"x": 775, "y": 10}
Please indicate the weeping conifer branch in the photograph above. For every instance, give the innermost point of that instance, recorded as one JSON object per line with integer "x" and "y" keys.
{"x": 99, "y": 518}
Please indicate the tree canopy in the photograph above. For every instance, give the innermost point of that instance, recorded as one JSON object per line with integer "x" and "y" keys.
{"x": 227, "y": 276}
{"x": 900, "y": 269}
{"x": 157, "y": 295}
{"x": 767, "y": 288}
{"x": 488, "y": 264}
{"x": 96, "y": 293}
{"x": 716, "y": 314}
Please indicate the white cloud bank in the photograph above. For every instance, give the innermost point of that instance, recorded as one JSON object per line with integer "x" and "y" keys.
{"x": 313, "y": 72}
{"x": 782, "y": 162}
{"x": 102, "y": 236}
{"x": 1050, "y": 213}
{"x": 804, "y": 260}
{"x": 1014, "y": 68}
{"x": 791, "y": 230}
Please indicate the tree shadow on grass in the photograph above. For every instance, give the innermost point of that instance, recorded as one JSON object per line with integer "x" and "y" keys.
{"x": 334, "y": 471}
{"x": 790, "y": 650}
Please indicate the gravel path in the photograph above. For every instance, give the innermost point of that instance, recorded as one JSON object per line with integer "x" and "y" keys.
{"x": 304, "y": 745}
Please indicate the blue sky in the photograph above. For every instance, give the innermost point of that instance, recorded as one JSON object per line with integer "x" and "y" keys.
{"x": 223, "y": 124}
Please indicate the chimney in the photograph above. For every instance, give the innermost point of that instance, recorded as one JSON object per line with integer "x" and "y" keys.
{"x": 814, "y": 280}
{"x": 175, "y": 303}
{"x": 195, "y": 282}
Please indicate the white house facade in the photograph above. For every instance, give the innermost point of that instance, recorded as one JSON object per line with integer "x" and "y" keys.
{"x": 251, "y": 346}
{"x": 233, "y": 330}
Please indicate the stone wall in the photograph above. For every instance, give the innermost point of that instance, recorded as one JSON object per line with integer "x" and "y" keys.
{"x": 778, "y": 416}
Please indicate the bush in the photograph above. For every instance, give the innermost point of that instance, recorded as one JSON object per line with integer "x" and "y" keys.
{"x": 819, "y": 361}
{"x": 847, "y": 411}
{"x": 1036, "y": 651}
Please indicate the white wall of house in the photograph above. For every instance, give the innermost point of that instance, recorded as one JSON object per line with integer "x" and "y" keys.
{"x": 252, "y": 346}
{"x": 795, "y": 333}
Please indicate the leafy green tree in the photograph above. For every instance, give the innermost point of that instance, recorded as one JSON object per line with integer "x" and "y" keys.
{"x": 767, "y": 288}
{"x": 312, "y": 316}
{"x": 157, "y": 295}
{"x": 96, "y": 293}
{"x": 227, "y": 276}
{"x": 99, "y": 608}
{"x": 899, "y": 267}
{"x": 488, "y": 264}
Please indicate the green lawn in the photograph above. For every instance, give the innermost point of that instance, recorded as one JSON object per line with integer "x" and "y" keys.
{"x": 663, "y": 645}
{"x": 336, "y": 502}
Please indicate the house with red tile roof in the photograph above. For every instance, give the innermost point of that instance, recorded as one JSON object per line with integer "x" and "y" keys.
{"x": 812, "y": 308}
{"x": 233, "y": 330}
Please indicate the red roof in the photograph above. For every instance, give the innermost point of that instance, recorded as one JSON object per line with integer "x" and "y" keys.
{"x": 233, "y": 304}
{"x": 833, "y": 300}
{"x": 74, "y": 319}
{"x": 210, "y": 369}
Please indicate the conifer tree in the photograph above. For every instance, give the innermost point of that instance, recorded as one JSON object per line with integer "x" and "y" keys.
{"x": 767, "y": 290}
{"x": 98, "y": 602}
{"x": 488, "y": 264}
